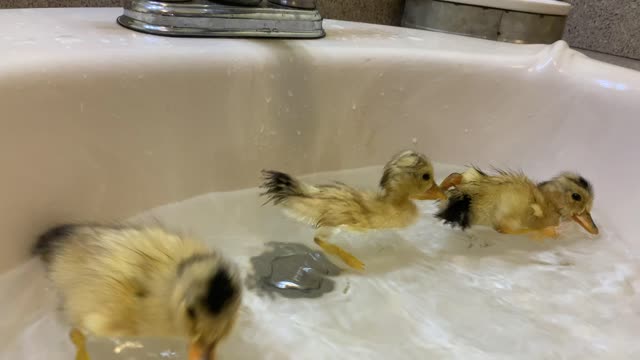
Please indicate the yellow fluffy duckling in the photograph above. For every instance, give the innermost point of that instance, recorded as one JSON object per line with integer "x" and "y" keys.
{"x": 145, "y": 282}
{"x": 409, "y": 175}
{"x": 512, "y": 204}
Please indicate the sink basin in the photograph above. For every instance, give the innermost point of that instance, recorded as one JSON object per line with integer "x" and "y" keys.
{"x": 102, "y": 123}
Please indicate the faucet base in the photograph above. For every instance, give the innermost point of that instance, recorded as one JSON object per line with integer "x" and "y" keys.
{"x": 205, "y": 19}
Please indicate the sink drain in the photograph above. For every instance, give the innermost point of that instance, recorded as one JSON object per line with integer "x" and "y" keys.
{"x": 293, "y": 271}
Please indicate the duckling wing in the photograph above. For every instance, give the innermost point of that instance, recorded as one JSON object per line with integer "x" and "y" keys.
{"x": 332, "y": 205}
{"x": 508, "y": 198}
{"x": 319, "y": 205}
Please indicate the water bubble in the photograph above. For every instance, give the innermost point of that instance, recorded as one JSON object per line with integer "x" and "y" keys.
{"x": 127, "y": 345}
{"x": 168, "y": 354}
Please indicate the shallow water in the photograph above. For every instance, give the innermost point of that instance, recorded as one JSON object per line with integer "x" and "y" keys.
{"x": 429, "y": 292}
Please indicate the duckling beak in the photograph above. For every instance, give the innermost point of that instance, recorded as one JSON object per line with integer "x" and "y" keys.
{"x": 451, "y": 180}
{"x": 586, "y": 222}
{"x": 434, "y": 193}
{"x": 197, "y": 352}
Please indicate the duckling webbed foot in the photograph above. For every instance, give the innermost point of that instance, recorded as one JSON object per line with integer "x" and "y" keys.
{"x": 538, "y": 235}
{"x": 198, "y": 353}
{"x": 80, "y": 342}
{"x": 344, "y": 255}
{"x": 548, "y": 232}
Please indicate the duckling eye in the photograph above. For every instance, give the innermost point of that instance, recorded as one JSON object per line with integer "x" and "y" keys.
{"x": 426, "y": 177}
{"x": 576, "y": 197}
{"x": 191, "y": 312}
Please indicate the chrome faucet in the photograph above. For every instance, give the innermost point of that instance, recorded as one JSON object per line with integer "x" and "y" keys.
{"x": 224, "y": 18}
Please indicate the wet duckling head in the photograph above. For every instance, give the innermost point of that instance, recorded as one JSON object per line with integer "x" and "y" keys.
{"x": 410, "y": 174}
{"x": 206, "y": 297}
{"x": 573, "y": 195}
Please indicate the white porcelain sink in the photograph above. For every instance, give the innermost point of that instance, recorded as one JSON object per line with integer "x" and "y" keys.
{"x": 101, "y": 123}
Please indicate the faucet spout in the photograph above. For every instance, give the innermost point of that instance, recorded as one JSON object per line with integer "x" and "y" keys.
{"x": 295, "y": 19}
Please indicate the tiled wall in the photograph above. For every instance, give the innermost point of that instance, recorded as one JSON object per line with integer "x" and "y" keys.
{"x": 8, "y": 4}
{"x": 386, "y": 12}
{"x": 608, "y": 26}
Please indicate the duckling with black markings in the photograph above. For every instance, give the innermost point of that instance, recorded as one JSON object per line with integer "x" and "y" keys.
{"x": 145, "y": 282}
{"x": 513, "y": 204}
{"x": 409, "y": 175}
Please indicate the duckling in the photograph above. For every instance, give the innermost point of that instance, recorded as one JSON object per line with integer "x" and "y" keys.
{"x": 409, "y": 175}
{"x": 513, "y": 204}
{"x": 145, "y": 282}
